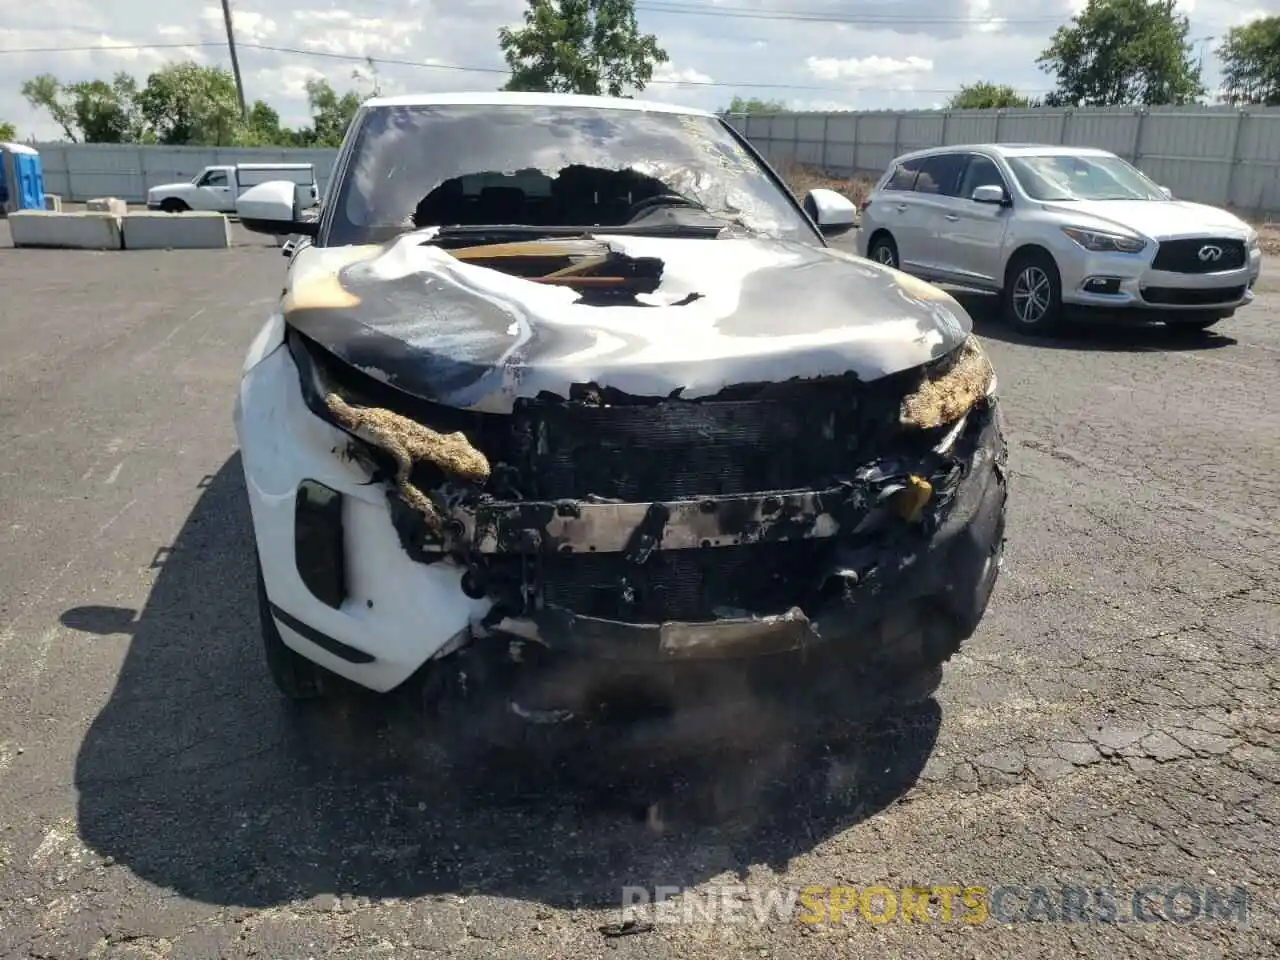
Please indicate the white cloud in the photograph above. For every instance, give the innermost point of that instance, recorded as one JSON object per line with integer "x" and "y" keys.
{"x": 1248, "y": 16}
{"x": 249, "y": 25}
{"x": 341, "y": 32}
{"x": 867, "y": 68}
{"x": 983, "y": 11}
{"x": 913, "y": 62}
{"x": 824, "y": 106}
{"x": 290, "y": 81}
{"x": 665, "y": 74}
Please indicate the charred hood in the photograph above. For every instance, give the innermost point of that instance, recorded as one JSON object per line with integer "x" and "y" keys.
{"x": 477, "y": 325}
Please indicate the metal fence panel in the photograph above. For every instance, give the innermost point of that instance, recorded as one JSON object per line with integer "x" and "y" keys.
{"x": 82, "y": 171}
{"x": 1033, "y": 126}
{"x": 1215, "y": 155}
{"x": 1113, "y": 130}
{"x": 974, "y": 126}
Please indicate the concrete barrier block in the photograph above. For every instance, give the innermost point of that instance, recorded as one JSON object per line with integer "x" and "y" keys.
{"x": 112, "y": 205}
{"x": 196, "y": 230}
{"x": 53, "y": 202}
{"x": 65, "y": 231}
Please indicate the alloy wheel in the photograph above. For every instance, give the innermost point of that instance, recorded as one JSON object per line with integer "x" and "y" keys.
{"x": 1032, "y": 295}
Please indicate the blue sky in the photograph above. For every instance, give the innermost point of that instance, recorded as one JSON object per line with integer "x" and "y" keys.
{"x": 889, "y": 54}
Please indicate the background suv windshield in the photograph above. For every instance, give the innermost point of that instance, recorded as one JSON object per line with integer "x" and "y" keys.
{"x": 1064, "y": 176}
{"x": 417, "y": 166}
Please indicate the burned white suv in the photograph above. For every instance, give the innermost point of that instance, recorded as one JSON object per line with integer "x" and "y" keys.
{"x": 575, "y": 382}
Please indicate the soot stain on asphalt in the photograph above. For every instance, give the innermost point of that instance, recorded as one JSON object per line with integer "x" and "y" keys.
{"x": 199, "y": 778}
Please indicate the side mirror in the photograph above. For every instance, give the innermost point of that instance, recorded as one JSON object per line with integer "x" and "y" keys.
{"x": 272, "y": 208}
{"x": 1168, "y": 194}
{"x": 989, "y": 193}
{"x": 833, "y": 213}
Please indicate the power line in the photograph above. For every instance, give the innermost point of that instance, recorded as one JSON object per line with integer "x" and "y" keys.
{"x": 99, "y": 47}
{"x": 798, "y": 16}
{"x": 423, "y": 64}
{"x": 353, "y": 58}
{"x": 429, "y": 65}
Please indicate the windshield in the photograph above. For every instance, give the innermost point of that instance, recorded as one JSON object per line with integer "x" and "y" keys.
{"x": 1068, "y": 177}
{"x": 553, "y": 166}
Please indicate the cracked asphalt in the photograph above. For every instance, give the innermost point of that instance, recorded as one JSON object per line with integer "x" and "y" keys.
{"x": 1113, "y": 723}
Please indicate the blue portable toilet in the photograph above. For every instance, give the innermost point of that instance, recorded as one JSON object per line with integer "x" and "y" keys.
{"x": 21, "y": 178}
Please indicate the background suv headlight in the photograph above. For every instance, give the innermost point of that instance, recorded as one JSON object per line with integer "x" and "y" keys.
{"x": 1251, "y": 242}
{"x": 1099, "y": 241}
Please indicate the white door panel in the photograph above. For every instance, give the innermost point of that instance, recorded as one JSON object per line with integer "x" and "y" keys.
{"x": 213, "y": 192}
{"x": 977, "y": 234}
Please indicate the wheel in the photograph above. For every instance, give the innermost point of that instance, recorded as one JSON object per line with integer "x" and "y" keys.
{"x": 173, "y": 205}
{"x": 294, "y": 675}
{"x": 884, "y": 251}
{"x": 1033, "y": 292}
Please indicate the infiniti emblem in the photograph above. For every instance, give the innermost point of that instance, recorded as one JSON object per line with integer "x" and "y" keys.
{"x": 1209, "y": 252}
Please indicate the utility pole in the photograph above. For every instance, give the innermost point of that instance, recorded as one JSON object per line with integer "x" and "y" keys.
{"x": 1203, "y": 42}
{"x": 235, "y": 61}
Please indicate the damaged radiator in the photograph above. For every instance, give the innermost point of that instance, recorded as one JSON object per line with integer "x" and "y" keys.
{"x": 802, "y": 437}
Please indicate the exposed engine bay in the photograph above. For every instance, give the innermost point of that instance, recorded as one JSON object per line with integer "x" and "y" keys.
{"x": 762, "y": 517}
{"x": 573, "y": 393}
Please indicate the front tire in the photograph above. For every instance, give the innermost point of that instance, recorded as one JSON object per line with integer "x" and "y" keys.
{"x": 1032, "y": 293}
{"x": 173, "y": 205}
{"x": 294, "y": 675}
{"x": 884, "y": 251}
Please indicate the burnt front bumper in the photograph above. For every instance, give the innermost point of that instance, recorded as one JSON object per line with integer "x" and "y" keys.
{"x": 900, "y": 535}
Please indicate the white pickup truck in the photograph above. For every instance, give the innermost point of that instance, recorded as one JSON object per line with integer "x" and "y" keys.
{"x": 218, "y": 187}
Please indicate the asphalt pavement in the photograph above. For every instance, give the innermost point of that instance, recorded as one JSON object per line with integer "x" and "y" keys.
{"x": 1112, "y": 725}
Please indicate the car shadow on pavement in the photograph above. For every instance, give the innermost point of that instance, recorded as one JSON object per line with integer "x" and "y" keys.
{"x": 199, "y": 778}
{"x": 1094, "y": 335}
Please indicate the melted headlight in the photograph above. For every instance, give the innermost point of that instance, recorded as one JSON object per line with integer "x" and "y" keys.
{"x": 948, "y": 395}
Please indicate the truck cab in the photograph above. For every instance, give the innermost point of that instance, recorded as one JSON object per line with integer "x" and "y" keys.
{"x": 218, "y": 187}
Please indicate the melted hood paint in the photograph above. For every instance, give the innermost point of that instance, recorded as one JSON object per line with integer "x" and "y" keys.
{"x": 475, "y": 338}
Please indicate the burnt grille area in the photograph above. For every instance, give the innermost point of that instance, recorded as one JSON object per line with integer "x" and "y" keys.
{"x": 1183, "y": 256}
{"x": 797, "y": 434}
{"x": 681, "y": 449}
{"x": 1180, "y": 296}
{"x": 690, "y": 585}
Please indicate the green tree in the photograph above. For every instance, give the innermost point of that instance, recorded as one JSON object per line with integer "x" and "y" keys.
{"x": 987, "y": 96}
{"x": 185, "y": 103}
{"x": 754, "y": 105}
{"x": 44, "y": 92}
{"x": 1251, "y": 63}
{"x": 1123, "y": 52}
{"x": 580, "y": 46}
{"x": 262, "y": 127}
{"x": 8, "y": 132}
{"x": 93, "y": 111}
{"x": 331, "y": 114}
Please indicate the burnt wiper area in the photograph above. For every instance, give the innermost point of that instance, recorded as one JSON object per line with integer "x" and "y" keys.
{"x": 575, "y": 200}
{"x": 457, "y": 236}
{"x": 645, "y": 205}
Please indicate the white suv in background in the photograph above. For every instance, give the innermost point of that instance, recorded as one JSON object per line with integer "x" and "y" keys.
{"x": 1052, "y": 228}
